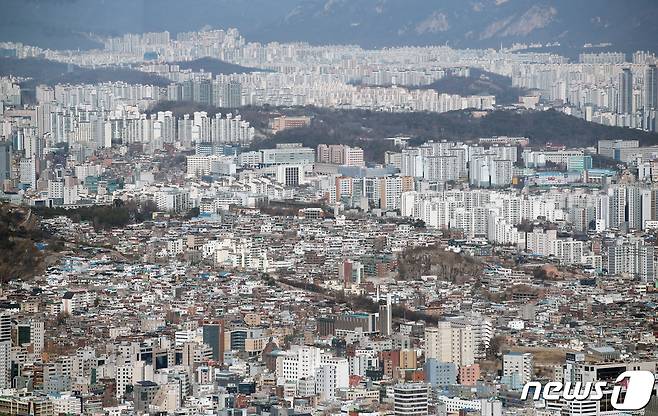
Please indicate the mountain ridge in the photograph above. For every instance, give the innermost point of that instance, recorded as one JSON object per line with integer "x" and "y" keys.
{"x": 628, "y": 26}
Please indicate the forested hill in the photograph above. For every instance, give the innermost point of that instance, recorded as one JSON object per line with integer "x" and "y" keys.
{"x": 479, "y": 82}
{"x": 19, "y": 233}
{"x": 215, "y": 66}
{"x": 367, "y": 128}
{"x": 44, "y": 71}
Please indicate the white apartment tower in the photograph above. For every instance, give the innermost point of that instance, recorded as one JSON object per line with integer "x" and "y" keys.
{"x": 450, "y": 343}
{"x": 518, "y": 363}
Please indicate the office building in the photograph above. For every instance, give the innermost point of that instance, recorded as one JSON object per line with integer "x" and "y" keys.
{"x": 411, "y": 399}
{"x": 440, "y": 374}
{"x": 143, "y": 394}
{"x": 281, "y": 123}
{"x": 213, "y": 335}
{"x": 288, "y": 154}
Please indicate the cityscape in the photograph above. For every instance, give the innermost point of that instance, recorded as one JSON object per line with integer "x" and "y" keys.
{"x": 244, "y": 221}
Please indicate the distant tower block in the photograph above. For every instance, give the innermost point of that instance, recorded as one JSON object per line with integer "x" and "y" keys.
{"x": 385, "y": 316}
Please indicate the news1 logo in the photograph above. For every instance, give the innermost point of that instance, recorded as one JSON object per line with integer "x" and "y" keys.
{"x": 638, "y": 385}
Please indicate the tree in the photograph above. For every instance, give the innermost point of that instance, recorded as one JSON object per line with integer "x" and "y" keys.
{"x": 496, "y": 346}
{"x": 194, "y": 212}
{"x": 61, "y": 319}
{"x": 146, "y": 209}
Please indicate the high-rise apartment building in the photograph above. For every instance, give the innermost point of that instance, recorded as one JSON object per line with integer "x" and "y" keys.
{"x": 625, "y": 102}
{"x": 233, "y": 94}
{"x": 450, "y": 343}
{"x": 518, "y": 364}
{"x": 634, "y": 257}
{"x": 386, "y": 317}
{"x": 651, "y": 88}
{"x": 5, "y": 163}
{"x": 481, "y": 328}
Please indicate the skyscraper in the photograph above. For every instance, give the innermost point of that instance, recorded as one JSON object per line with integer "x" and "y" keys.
{"x": 5, "y": 364}
{"x": 233, "y": 96}
{"x": 385, "y": 316}
{"x": 650, "y": 88}
{"x": 5, "y": 162}
{"x": 625, "y": 105}
{"x": 5, "y": 327}
{"x": 213, "y": 335}
{"x": 205, "y": 92}
{"x": 5, "y": 351}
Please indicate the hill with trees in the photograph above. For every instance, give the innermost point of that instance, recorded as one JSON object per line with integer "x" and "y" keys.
{"x": 19, "y": 235}
{"x": 479, "y": 82}
{"x": 44, "y": 71}
{"x": 369, "y": 128}
{"x": 215, "y": 66}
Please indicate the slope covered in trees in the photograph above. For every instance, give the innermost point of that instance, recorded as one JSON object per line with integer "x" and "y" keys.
{"x": 446, "y": 265}
{"x": 44, "y": 71}
{"x": 215, "y": 66}
{"x": 368, "y": 128}
{"x": 479, "y": 82}
{"x": 19, "y": 232}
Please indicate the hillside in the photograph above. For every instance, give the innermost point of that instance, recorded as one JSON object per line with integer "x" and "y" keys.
{"x": 446, "y": 265}
{"x": 27, "y": 248}
{"x": 367, "y": 128}
{"x": 44, "y": 71}
{"x": 215, "y": 66}
{"x": 19, "y": 256}
{"x": 479, "y": 82}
